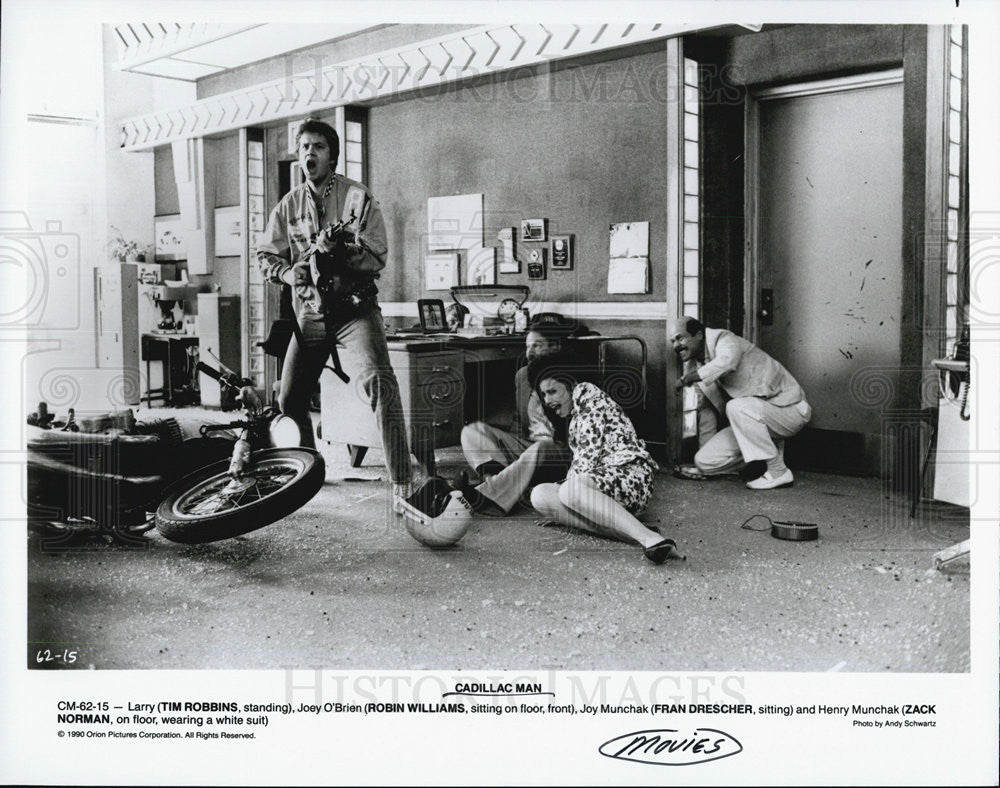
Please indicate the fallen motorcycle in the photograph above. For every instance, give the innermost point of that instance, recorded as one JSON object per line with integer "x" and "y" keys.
{"x": 267, "y": 477}
{"x": 105, "y": 483}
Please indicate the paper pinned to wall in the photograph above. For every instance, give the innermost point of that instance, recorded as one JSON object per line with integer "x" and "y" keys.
{"x": 455, "y": 222}
{"x": 509, "y": 264}
{"x": 628, "y": 263}
{"x": 228, "y": 231}
{"x": 481, "y": 268}
{"x": 629, "y": 239}
{"x": 440, "y": 270}
{"x": 628, "y": 275}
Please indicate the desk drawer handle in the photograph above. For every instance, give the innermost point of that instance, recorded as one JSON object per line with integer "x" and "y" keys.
{"x": 444, "y": 423}
{"x": 442, "y": 369}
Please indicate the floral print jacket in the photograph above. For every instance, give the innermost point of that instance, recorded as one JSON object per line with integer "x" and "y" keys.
{"x": 600, "y": 434}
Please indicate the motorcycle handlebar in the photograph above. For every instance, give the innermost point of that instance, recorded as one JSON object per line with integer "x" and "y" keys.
{"x": 205, "y": 429}
{"x": 212, "y": 373}
{"x": 228, "y": 379}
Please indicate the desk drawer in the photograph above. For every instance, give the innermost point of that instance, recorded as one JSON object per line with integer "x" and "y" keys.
{"x": 441, "y": 391}
{"x": 483, "y": 355}
{"x": 431, "y": 382}
{"x": 425, "y": 362}
{"x": 448, "y": 426}
{"x": 436, "y": 427}
{"x": 420, "y": 365}
{"x": 434, "y": 396}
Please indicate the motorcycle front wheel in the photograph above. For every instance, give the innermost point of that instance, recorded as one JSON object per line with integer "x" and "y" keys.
{"x": 209, "y": 504}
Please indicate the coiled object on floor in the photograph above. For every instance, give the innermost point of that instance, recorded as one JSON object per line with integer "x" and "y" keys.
{"x": 788, "y": 530}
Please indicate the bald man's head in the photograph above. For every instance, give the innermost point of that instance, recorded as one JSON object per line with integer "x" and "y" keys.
{"x": 687, "y": 336}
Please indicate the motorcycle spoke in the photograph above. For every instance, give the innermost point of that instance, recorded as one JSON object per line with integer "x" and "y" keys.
{"x": 241, "y": 499}
{"x": 211, "y": 500}
{"x": 212, "y": 504}
{"x": 207, "y": 503}
{"x": 213, "y": 497}
{"x": 272, "y": 482}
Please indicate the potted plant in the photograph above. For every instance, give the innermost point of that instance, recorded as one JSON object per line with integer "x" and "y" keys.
{"x": 124, "y": 250}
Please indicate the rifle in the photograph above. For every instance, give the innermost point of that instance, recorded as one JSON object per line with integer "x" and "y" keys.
{"x": 326, "y": 266}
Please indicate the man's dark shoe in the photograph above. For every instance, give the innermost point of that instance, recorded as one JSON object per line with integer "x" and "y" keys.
{"x": 430, "y": 499}
{"x": 689, "y": 472}
{"x": 489, "y": 468}
{"x": 476, "y": 499}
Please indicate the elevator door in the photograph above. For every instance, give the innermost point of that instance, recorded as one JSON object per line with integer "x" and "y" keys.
{"x": 829, "y": 208}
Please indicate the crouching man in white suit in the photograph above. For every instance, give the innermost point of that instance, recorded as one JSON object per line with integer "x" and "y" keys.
{"x": 760, "y": 398}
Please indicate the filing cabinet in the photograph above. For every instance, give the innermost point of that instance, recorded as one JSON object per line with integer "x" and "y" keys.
{"x": 431, "y": 391}
{"x": 219, "y": 338}
{"x": 116, "y": 311}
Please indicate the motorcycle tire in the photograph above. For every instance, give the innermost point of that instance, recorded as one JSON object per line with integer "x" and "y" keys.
{"x": 209, "y": 505}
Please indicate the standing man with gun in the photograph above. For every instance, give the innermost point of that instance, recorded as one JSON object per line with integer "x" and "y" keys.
{"x": 326, "y": 240}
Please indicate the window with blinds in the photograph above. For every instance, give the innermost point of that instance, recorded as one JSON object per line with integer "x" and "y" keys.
{"x": 691, "y": 224}
{"x": 957, "y": 269}
{"x": 354, "y": 152}
{"x": 254, "y": 328}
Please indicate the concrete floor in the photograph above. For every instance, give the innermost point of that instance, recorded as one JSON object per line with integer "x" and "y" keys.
{"x": 340, "y": 584}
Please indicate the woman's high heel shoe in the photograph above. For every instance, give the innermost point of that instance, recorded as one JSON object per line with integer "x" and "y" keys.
{"x": 660, "y": 552}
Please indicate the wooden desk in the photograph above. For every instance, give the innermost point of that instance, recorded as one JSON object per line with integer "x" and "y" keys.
{"x": 447, "y": 383}
{"x": 443, "y": 385}
{"x": 170, "y": 349}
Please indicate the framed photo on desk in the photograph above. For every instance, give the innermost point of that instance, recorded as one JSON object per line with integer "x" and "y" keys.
{"x": 432, "y": 317}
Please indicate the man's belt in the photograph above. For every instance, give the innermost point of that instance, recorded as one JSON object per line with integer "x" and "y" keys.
{"x": 344, "y": 308}
{"x": 352, "y": 303}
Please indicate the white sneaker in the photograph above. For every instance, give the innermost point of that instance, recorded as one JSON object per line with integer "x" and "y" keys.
{"x": 770, "y": 482}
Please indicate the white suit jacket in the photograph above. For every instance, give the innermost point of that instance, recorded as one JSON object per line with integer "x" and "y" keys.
{"x": 742, "y": 369}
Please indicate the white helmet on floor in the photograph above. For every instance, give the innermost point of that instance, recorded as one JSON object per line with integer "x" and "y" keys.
{"x": 436, "y": 515}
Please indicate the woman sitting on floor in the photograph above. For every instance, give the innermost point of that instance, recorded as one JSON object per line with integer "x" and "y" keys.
{"x": 611, "y": 476}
